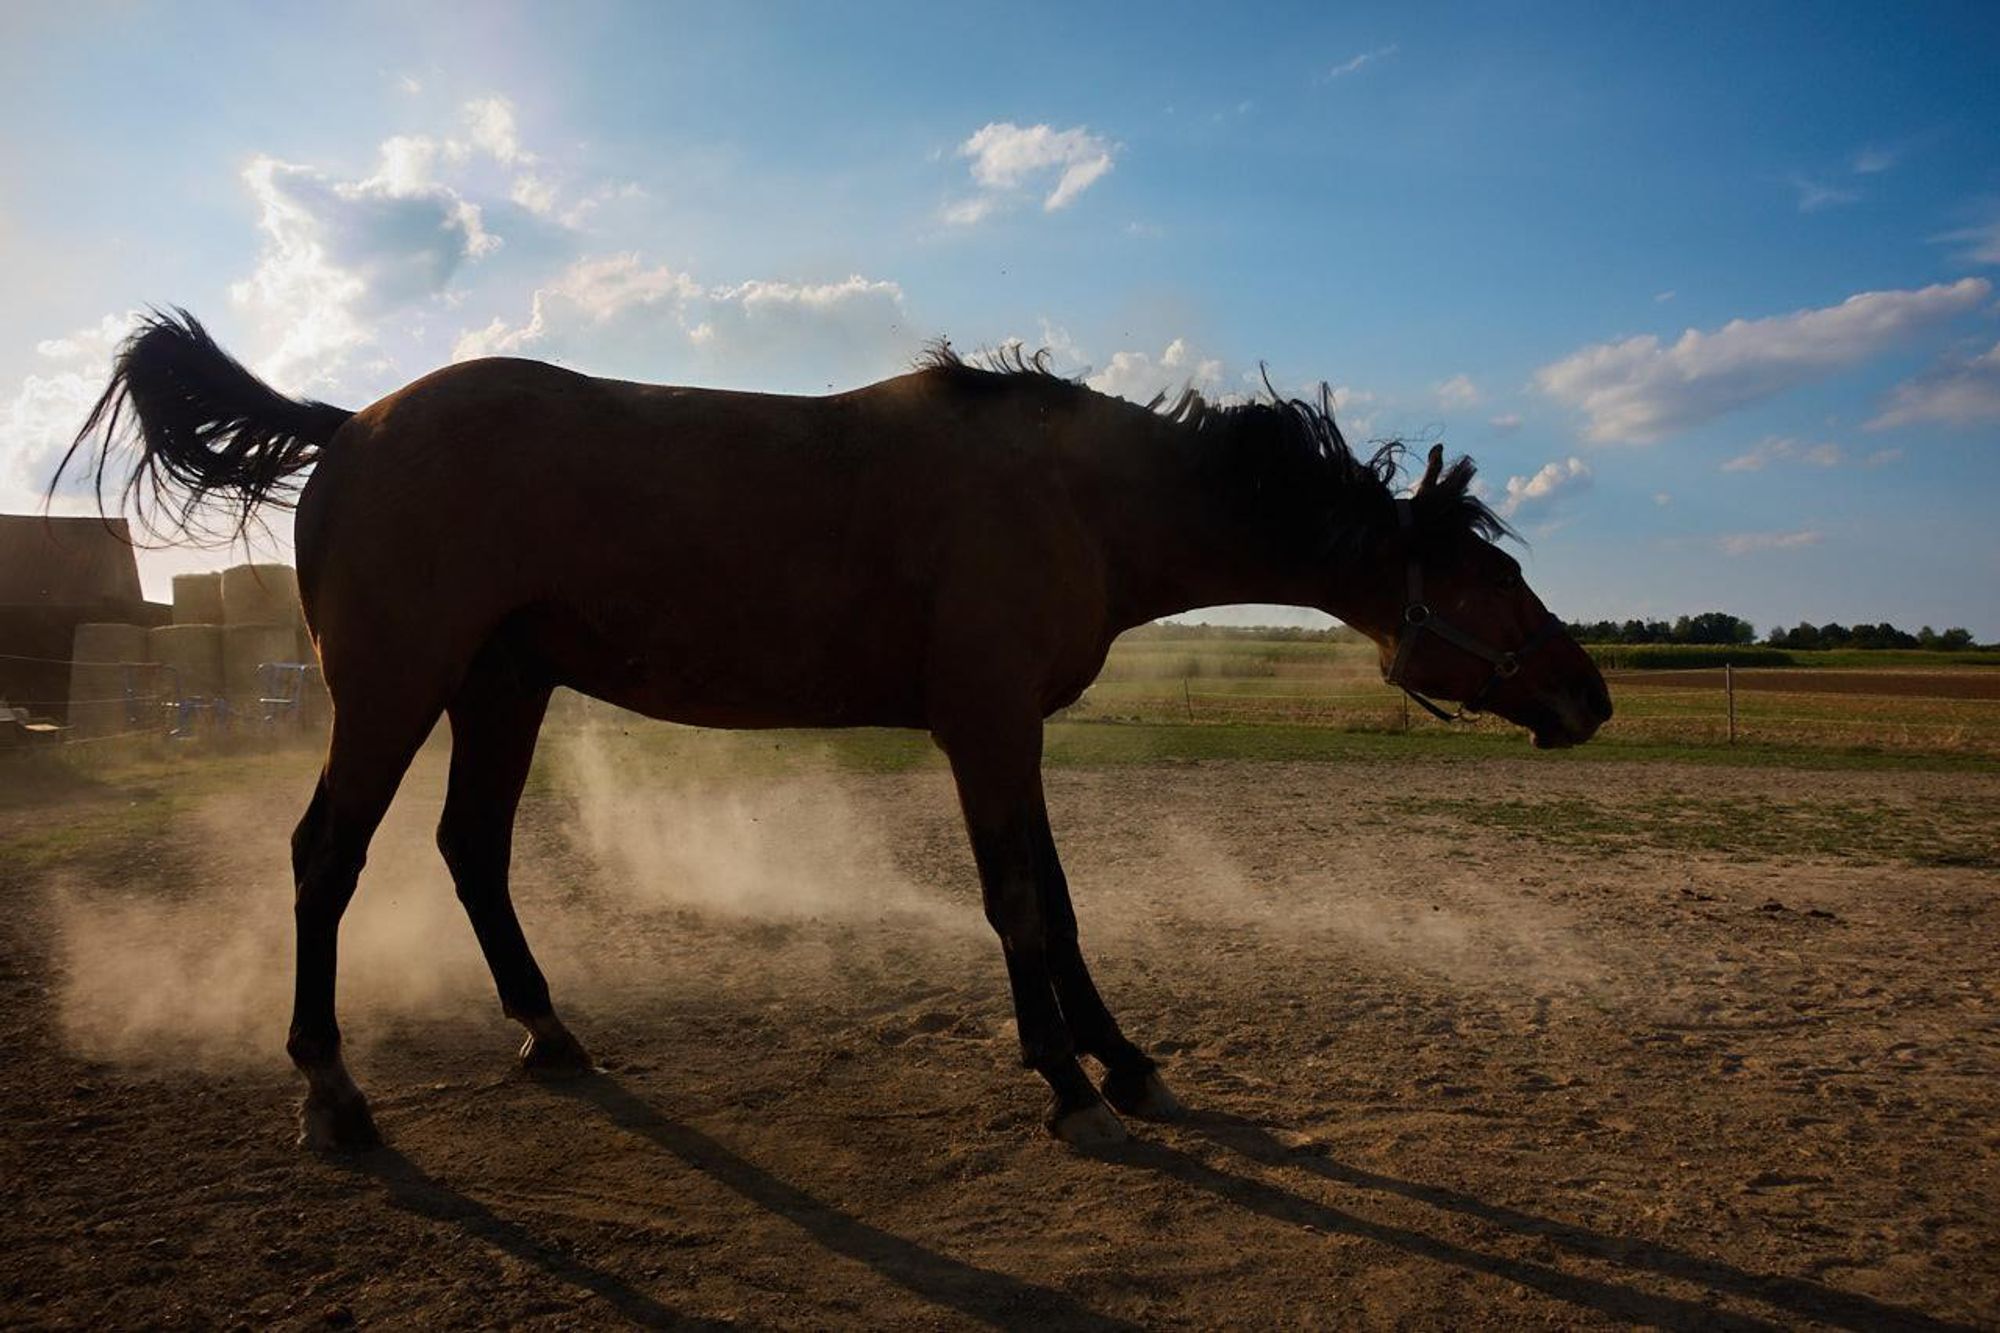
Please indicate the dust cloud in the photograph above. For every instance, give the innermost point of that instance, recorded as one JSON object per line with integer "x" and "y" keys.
{"x": 1199, "y": 877}
{"x": 191, "y": 962}
{"x": 769, "y": 847}
{"x": 634, "y": 857}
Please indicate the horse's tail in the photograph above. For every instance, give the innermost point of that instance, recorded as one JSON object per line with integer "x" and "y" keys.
{"x": 207, "y": 433}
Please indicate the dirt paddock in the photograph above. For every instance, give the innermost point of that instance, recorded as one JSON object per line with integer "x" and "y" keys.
{"x": 1466, "y": 1043}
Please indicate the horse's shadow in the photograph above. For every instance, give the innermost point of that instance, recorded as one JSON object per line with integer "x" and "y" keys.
{"x": 1794, "y": 1298}
{"x": 412, "y": 1189}
{"x": 976, "y": 1293}
{"x": 1002, "y": 1300}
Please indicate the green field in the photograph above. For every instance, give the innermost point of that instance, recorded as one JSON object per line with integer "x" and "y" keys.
{"x": 1853, "y": 703}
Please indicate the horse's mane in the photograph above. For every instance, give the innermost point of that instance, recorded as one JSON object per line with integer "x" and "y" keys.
{"x": 1283, "y": 458}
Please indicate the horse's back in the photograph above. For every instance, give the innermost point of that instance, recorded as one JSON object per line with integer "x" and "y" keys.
{"x": 704, "y": 554}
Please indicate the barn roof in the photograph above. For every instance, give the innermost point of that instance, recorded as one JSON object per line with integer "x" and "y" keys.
{"x": 46, "y": 561}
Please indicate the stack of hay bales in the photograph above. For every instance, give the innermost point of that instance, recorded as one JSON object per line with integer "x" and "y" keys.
{"x": 194, "y": 654}
{"x": 261, "y": 622}
{"x": 105, "y": 661}
{"x": 198, "y": 599}
{"x": 192, "y": 645}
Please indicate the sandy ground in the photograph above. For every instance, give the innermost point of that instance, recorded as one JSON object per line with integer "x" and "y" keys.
{"x": 1445, "y": 1070}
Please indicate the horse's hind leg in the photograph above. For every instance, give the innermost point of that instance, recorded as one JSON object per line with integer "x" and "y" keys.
{"x": 371, "y": 748}
{"x": 495, "y": 719}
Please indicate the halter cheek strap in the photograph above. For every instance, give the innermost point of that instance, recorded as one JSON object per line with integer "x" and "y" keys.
{"x": 1418, "y": 619}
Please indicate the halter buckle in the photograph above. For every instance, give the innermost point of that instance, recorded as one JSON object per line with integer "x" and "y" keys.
{"x": 1508, "y": 666}
{"x": 1416, "y": 613}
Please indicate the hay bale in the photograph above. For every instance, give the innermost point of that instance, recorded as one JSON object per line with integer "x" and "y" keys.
{"x": 198, "y": 599}
{"x": 261, "y": 595}
{"x": 107, "y": 662}
{"x": 195, "y": 654}
{"x": 247, "y": 647}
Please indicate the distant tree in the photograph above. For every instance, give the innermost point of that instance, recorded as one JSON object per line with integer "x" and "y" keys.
{"x": 1713, "y": 627}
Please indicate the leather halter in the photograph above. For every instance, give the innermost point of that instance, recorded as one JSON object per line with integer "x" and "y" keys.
{"x": 1418, "y": 618}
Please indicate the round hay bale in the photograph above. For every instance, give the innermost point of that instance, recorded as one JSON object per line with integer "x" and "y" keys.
{"x": 198, "y": 599}
{"x": 261, "y": 595}
{"x": 195, "y": 654}
{"x": 244, "y": 649}
{"x": 106, "y": 663}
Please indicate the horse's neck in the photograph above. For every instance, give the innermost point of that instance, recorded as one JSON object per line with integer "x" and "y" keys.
{"x": 1171, "y": 546}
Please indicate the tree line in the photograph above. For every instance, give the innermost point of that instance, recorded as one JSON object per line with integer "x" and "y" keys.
{"x": 1718, "y": 627}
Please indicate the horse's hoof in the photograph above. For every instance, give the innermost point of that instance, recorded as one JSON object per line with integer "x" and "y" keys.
{"x": 335, "y": 1124}
{"x": 1088, "y": 1127}
{"x": 555, "y": 1055}
{"x": 1145, "y": 1096}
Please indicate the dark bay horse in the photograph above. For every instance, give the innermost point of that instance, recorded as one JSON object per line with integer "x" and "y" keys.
{"x": 953, "y": 550}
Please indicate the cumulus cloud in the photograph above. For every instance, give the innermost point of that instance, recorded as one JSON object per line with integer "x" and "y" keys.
{"x": 47, "y": 409}
{"x": 336, "y": 253}
{"x": 1355, "y": 64}
{"x": 1749, "y": 543}
{"x": 1958, "y": 393}
{"x": 1457, "y": 393}
{"x": 1640, "y": 390}
{"x": 1009, "y": 160}
{"x": 338, "y": 256}
{"x": 1537, "y": 496}
{"x": 489, "y": 124}
{"x": 617, "y": 315}
{"x": 1783, "y": 449}
{"x": 1139, "y": 375}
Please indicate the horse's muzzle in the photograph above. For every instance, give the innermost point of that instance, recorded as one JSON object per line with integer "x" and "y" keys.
{"x": 1569, "y": 717}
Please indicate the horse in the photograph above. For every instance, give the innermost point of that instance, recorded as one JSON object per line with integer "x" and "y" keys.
{"x": 953, "y": 550}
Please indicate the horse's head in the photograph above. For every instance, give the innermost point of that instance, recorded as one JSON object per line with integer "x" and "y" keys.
{"x": 1453, "y": 618}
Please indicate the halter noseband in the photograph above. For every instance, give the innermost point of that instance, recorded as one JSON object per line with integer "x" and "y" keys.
{"x": 1417, "y": 618}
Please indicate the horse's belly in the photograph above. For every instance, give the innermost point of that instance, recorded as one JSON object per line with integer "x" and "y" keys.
{"x": 751, "y": 675}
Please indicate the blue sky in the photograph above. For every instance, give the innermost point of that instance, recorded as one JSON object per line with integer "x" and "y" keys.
{"x": 1712, "y": 292}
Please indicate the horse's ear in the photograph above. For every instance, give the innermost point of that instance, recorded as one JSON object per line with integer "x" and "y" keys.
{"x": 1432, "y": 467}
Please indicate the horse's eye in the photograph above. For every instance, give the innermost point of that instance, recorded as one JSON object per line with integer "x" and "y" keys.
{"x": 1509, "y": 581}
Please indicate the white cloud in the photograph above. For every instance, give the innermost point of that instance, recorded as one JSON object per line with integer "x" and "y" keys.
{"x": 1663, "y": 498}
{"x": 489, "y": 124}
{"x": 1748, "y": 543}
{"x": 616, "y": 315}
{"x": 1009, "y": 159}
{"x": 1356, "y": 63}
{"x": 1662, "y": 298}
{"x": 336, "y": 253}
{"x": 1958, "y": 393}
{"x": 408, "y": 166}
{"x": 533, "y": 193}
{"x": 1639, "y": 390}
{"x": 1815, "y": 196}
{"x": 49, "y": 407}
{"x": 1139, "y": 376}
{"x": 1783, "y": 449}
{"x": 1457, "y": 393}
{"x": 1539, "y": 494}
{"x": 1977, "y": 244}
{"x": 1506, "y": 422}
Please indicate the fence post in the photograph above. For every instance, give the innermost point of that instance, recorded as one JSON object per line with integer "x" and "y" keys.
{"x": 1729, "y": 688}
{"x": 1187, "y": 698}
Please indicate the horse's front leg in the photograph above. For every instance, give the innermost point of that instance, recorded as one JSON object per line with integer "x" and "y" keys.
{"x": 1132, "y": 1081}
{"x": 998, "y": 769}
